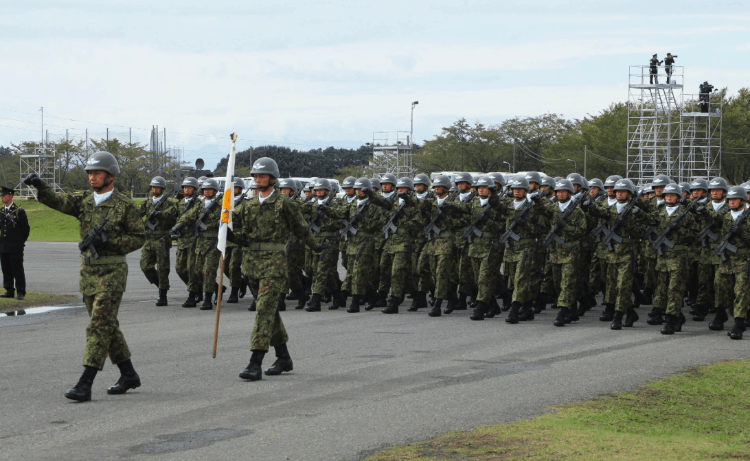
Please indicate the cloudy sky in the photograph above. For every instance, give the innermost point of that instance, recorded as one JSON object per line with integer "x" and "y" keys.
{"x": 315, "y": 74}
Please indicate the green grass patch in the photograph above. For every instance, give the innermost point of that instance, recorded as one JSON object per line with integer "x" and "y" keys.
{"x": 34, "y": 299}
{"x": 703, "y": 413}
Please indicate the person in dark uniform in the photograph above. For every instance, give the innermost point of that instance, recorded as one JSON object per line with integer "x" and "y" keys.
{"x": 14, "y": 230}
{"x": 654, "y": 69}
{"x": 668, "y": 63}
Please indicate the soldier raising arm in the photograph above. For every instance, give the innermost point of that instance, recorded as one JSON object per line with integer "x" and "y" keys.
{"x": 110, "y": 229}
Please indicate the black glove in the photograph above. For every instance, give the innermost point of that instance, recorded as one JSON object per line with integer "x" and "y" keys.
{"x": 403, "y": 195}
{"x": 320, "y": 206}
{"x": 98, "y": 236}
{"x": 586, "y": 203}
{"x": 635, "y": 211}
{"x": 33, "y": 179}
{"x": 368, "y": 192}
{"x": 561, "y": 222}
{"x": 700, "y": 210}
{"x": 177, "y": 231}
{"x": 321, "y": 247}
{"x": 230, "y": 235}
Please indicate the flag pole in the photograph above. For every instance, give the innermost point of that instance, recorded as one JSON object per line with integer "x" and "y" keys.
{"x": 225, "y": 219}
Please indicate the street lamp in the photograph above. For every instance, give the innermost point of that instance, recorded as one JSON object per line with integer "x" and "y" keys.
{"x": 509, "y": 169}
{"x": 411, "y": 133}
{"x": 574, "y": 163}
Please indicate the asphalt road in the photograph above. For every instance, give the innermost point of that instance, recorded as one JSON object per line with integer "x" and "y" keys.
{"x": 361, "y": 381}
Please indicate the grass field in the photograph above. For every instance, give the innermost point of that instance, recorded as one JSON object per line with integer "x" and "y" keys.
{"x": 33, "y": 299}
{"x": 703, "y": 413}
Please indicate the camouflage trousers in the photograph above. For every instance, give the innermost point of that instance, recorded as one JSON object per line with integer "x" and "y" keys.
{"x": 565, "y": 279}
{"x": 548, "y": 280}
{"x": 361, "y": 259}
{"x": 670, "y": 286}
{"x": 650, "y": 275}
{"x": 619, "y": 285}
{"x": 325, "y": 267}
{"x": 597, "y": 272}
{"x": 464, "y": 271}
{"x": 437, "y": 262}
{"x": 103, "y": 335}
{"x": 203, "y": 277}
{"x": 267, "y": 271}
{"x": 733, "y": 288}
{"x": 184, "y": 262}
{"x": 155, "y": 265}
{"x": 486, "y": 270}
{"x": 523, "y": 270}
{"x": 395, "y": 273}
{"x": 706, "y": 287}
{"x": 233, "y": 265}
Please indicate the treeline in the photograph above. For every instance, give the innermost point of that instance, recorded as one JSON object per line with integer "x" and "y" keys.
{"x": 326, "y": 163}
{"x": 557, "y": 146}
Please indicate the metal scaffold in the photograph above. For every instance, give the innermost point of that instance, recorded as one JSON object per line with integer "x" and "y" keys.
{"x": 41, "y": 162}
{"x": 654, "y": 121}
{"x": 392, "y": 153}
{"x": 700, "y": 137}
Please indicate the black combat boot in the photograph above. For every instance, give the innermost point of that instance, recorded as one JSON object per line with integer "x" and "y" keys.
{"x": 560, "y": 320}
{"x": 234, "y": 297}
{"x": 461, "y": 304}
{"x": 253, "y": 371}
{"x": 129, "y": 379}
{"x": 207, "y": 303}
{"x": 679, "y": 321}
{"x": 699, "y": 312}
{"x": 507, "y": 300}
{"x": 283, "y": 361}
{"x": 354, "y": 306}
{"x": 191, "y": 301}
{"x": 162, "y": 300}
{"x": 253, "y": 306}
{"x": 540, "y": 304}
{"x": 739, "y": 328}
{"x": 512, "y": 317}
{"x": 583, "y": 306}
{"x": 314, "y": 304}
{"x": 572, "y": 315}
{"x": 293, "y": 296}
{"x": 648, "y": 297}
{"x": 435, "y": 311}
{"x": 336, "y": 301}
{"x": 630, "y": 318}
{"x": 717, "y": 324}
{"x": 216, "y": 293}
{"x": 526, "y": 313}
{"x": 302, "y": 299}
{"x": 281, "y": 303}
{"x": 82, "y": 391}
{"x": 370, "y": 300}
{"x": 381, "y": 298}
{"x": 392, "y": 307}
{"x": 244, "y": 282}
{"x": 479, "y": 311}
{"x": 10, "y": 293}
{"x": 608, "y": 314}
{"x": 669, "y": 324}
{"x": 452, "y": 301}
{"x": 655, "y": 317}
{"x": 198, "y": 296}
{"x": 340, "y": 300}
{"x": 617, "y": 321}
{"x": 493, "y": 309}
{"x": 419, "y": 300}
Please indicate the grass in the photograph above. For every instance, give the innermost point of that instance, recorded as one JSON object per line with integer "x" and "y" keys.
{"x": 703, "y": 413}
{"x": 33, "y": 299}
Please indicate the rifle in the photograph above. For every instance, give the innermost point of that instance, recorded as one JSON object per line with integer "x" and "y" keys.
{"x": 348, "y": 226}
{"x": 199, "y": 224}
{"x": 164, "y": 249}
{"x": 159, "y": 203}
{"x": 295, "y": 196}
{"x": 725, "y": 246}
{"x": 707, "y": 237}
{"x": 520, "y": 217}
{"x": 319, "y": 214}
{"x": 472, "y": 230}
{"x": 238, "y": 200}
{"x": 432, "y": 227}
{"x": 87, "y": 241}
{"x": 662, "y": 240}
{"x": 553, "y": 238}
{"x": 390, "y": 227}
{"x": 611, "y": 233}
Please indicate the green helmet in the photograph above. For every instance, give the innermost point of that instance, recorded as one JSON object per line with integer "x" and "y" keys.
{"x": 265, "y": 165}
{"x": 158, "y": 181}
{"x": 190, "y": 182}
{"x": 103, "y": 161}
{"x": 287, "y": 183}
{"x": 210, "y": 183}
{"x": 238, "y": 182}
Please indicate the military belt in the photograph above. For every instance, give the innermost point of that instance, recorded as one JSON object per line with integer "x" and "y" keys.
{"x": 327, "y": 234}
{"x": 113, "y": 259}
{"x": 445, "y": 235}
{"x": 209, "y": 235}
{"x": 487, "y": 235}
{"x": 267, "y": 246}
{"x": 569, "y": 244}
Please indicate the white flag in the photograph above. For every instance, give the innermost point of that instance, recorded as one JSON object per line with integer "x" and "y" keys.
{"x": 227, "y": 206}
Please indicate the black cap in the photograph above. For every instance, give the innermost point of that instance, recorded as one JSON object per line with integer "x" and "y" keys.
{"x": 654, "y": 54}
{"x": 6, "y": 190}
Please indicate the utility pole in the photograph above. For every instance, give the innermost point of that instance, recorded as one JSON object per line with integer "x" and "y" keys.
{"x": 514, "y": 156}
{"x": 130, "y": 136}
{"x": 107, "y": 134}
{"x": 42, "y": 110}
{"x": 585, "y": 151}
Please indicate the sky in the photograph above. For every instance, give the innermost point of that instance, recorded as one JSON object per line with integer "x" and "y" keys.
{"x": 331, "y": 73}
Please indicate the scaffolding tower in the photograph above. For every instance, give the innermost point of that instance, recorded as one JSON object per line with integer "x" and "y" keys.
{"x": 392, "y": 153}
{"x": 42, "y": 162}
{"x": 700, "y": 137}
{"x": 654, "y": 123}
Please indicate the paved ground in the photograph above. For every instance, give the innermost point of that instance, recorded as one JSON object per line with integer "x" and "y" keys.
{"x": 361, "y": 381}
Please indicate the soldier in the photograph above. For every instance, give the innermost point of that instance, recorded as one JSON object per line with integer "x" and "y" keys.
{"x": 598, "y": 265}
{"x": 654, "y": 64}
{"x": 15, "y": 232}
{"x": 185, "y": 255}
{"x": 462, "y": 271}
{"x": 267, "y": 220}
{"x": 399, "y": 234}
{"x": 569, "y": 226}
{"x": 233, "y": 257}
{"x": 732, "y": 272}
{"x": 110, "y": 229}
{"x": 378, "y": 298}
{"x": 159, "y": 213}
{"x": 699, "y": 257}
{"x": 204, "y": 223}
{"x": 655, "y": 317}
{"x": 527, "y": 220}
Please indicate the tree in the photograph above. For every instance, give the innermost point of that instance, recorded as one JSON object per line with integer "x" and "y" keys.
{"x": 325, "y": 163}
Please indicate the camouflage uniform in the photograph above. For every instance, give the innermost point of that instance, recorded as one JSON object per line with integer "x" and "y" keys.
{"x": 102, "y": 280}
{"x": 395, "y": 262}
{"x": 158, "y": 242}
{"x": 185, "y": 259}
{"x": 265, "y": 232}
{"x": 207, "y": 255}
{"x": 709, "y": 262}
{"x": 324, "y": 266}
{"x": 732, "y": 288}
{"x": 565, "y": 257}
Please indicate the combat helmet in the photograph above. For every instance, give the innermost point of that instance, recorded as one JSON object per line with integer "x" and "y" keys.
{"x": 265, "y": 165}
{"x": 565, "y": 184}
{"x": 103, "y": 161}
{"x": 363, "y": 183}
{"x": 405, "y": 182}
{"x": 158, "y": 181}
{"x": 485, "y": 181}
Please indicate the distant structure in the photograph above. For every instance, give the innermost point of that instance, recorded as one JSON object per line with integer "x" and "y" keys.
{"x": 41, "y": 162}
{"x": 670, "y": 132}
{"x": 392, "y": 153}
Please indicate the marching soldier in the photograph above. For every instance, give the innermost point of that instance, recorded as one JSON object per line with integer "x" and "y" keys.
{"x": 422, "y": 191}
{"x": 15, "y": 231}
{"x": 461, "y": 272}
{"x": 185, "y": 255}
{"x": 655, "y": 317}
{"x": 110, "y": 229}
{"x": 267, "y": 220}
{"x": 700, "y": 257}
{"x": 233, "y": 258}
{"x": 159, "y": 213}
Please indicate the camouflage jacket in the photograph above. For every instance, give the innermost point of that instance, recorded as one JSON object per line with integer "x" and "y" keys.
{"x": 163, "y": 222}
{"x": 328, "y": 220}
{"x": 183, "y": 206}
{"x": 453, "y": 218}
{"x": 713, "y": 220}
{"x": 630, "y": 231}
{"x": 683, "y": 236}
{"x": 205, "y": 239}
{"x": 408, "y": 223}
{"x": 491, "y": 225}
{"x": 124, "y": 230}
{"x": 738, "y": 262}
{"x": 533, "y": 227}
{"x": 572, "y": 233}
{"x": 370, "y": 220}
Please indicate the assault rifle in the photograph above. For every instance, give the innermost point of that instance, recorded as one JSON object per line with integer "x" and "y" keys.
{"x": 510, "y": 235}
{"x": 88, "y": 241}
{"x": 432, "y": 227}
{"x": 390, "y": 227}
{"x": 472, "y": 230}
{"x": 321, "y": 210}
{"x": 707, "y": 237}
{"x": 154, "y": 211}
{"x": 663, "y": 239}
{"x": 611, "y": 233}
{"x": 199, "y": 224}
{"x": 553, "y": 238}
{"x": 724, "y": 246}
{"x": 348, "y": 225}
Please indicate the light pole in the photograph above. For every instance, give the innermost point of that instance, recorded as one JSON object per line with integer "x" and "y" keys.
{"x": 411, "y": 133}
{"x": 509, "y": 169}
{"x": 574, "y": 163}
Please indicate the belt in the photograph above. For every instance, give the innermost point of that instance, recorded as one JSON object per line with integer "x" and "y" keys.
{"x": 327, "y": 234}
{"x": 267, "y": 246}
{"x": 487, "y": 235}
{"x": 113, "y": 259}
{"x": 208, "y": 235}
{"x": 569, "y": 244}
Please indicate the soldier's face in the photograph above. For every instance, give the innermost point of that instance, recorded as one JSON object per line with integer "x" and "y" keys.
{"x": 402, "y": 190}
{"x": 237, "y": 191}
{"x": 441, "y": 191}
{"x": 7, "y": 199}
{"x": 349, "y": 191}
{"x": 97, "y": 178}
{"x": 156, "y": 191}
{"x": 610, "y": 191}
{"x": 361, "y": 193}
{"x": 286, "y": 191}
{"x": 386, "y": 186}
{"x": 562, "y": 195}
{"x": 321, "y": 193}
{"x": 209, "y": 193}
{"x": 671, "y": 199}
{"x": 188, "y": 190}
{"x": 421, "y": 188}
{"x": 698, "y": 193}
{"x": 262, "y": 180}
{"x": 308, "y": 193}
{"x": 622, "y": 195}
{"x": 593, "y": 191}
{"x": 717, "y": 194}
{"x": 734, "y": 203}
{"x": 533, "y": 186}
{"x": 483, "y": 191}
{"x": 658, "y": 190}
{"x": 519, "y": 193}
{"x": 463, "y": 186}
